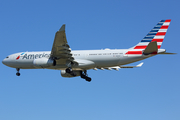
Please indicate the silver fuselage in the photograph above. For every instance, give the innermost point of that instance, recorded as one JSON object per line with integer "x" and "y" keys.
{"x": 89, "y": 58}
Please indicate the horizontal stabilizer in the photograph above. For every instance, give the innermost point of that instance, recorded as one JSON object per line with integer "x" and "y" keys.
{"x": 151, "y": 48}
{"x": 168, "y": 53}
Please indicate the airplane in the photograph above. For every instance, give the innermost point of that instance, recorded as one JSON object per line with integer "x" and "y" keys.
{"x": 73, "y": 63}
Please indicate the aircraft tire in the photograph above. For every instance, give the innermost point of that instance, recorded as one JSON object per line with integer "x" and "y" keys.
{"x": 88, "y": 79}
{"x": 18, "y": 74}
{"x": 68, "y": 70}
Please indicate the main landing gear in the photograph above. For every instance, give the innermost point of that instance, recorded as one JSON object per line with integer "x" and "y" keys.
{"x": 70, "y": 71}
{"x": 85, "y": 76}
{"x": 18, "y": 74}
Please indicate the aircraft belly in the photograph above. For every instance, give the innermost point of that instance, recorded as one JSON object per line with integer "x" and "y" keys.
{"x": 25, "y": 64}
{"x": 127, "y": 60}
{"x": 105, "y": 62}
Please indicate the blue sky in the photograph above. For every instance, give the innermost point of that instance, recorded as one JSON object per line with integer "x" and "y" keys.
{"x": 147, "y": 93}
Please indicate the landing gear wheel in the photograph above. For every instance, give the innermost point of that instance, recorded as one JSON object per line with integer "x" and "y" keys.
{"x": 70, "y": 71}
{"x": 88, "y": 79}
{"x": 18, "y": 74}
{"x": 84, "y": 76}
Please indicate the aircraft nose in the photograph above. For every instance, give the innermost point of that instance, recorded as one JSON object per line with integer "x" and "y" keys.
{"x": 4, "y": 62}
{"x": 8, "y": 62}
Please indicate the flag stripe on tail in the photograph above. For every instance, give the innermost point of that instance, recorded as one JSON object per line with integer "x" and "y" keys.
{"x": 144, "y": 47}
{"x": 158, "y": 40}
{"x": 134, "y": 52}
{"x": 168, "y": 21}
{"x": 164, "y": 27}
{"x": 161, "y": 33}
{"x": 156, "y": 34}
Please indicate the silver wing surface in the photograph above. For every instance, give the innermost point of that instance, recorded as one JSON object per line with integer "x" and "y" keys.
{"x": 61, "y": 51}
{"x": 119, "y": 67}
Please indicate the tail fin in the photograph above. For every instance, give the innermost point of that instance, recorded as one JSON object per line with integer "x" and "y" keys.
{"x": 156, "y": 34}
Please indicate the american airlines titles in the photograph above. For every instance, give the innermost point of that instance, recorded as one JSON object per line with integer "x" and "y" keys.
{"x": 35, "y": 56}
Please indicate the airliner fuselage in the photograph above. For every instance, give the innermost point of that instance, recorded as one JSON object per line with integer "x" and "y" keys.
{"x": 97, "y": 59}
{"x": 76, "y": 63}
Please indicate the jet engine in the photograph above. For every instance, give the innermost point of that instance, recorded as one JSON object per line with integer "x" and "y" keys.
{"x": 44, "y": 62}
{"x": 65, "y": 74}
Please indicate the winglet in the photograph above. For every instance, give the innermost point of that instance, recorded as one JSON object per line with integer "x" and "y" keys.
{"x": 139, "y": 65}
{"x": 62, "y": 28}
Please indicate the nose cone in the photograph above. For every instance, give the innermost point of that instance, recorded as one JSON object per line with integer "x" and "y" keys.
{"x": 4, "y": 62}
{"x": 9, "y": 62}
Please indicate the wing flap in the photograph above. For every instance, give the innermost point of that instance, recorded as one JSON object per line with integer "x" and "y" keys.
{"x": 60, "y": 48}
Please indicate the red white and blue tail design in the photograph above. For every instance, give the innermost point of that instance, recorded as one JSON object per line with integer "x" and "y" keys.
{"x": 156, "y": 34}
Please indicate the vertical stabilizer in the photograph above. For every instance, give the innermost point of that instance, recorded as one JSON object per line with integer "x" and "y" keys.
{"x": 156, "y": 34}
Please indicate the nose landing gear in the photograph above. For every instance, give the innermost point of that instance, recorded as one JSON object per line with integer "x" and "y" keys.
{"x": 18, "y": 74}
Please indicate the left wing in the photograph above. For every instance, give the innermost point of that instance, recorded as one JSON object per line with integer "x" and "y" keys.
{"x": 118, "y": 67}
{"x": 60, "y": 48}
{"x": 139, "y": 65}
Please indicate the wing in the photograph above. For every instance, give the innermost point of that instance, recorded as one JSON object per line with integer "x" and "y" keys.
{"x": 118, "y": 67}
{"x": 60, "y": 48}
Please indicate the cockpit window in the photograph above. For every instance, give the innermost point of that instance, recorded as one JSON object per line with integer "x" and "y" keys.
{"x": 7, "y": 57}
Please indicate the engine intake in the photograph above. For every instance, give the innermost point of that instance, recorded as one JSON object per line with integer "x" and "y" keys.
{"x": 65, "y": 74}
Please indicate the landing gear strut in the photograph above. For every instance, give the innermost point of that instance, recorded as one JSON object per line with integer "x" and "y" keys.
{"x": 85, "y": 76}
{"x": 70, "y": 71}
{"x": 18, "y": 74}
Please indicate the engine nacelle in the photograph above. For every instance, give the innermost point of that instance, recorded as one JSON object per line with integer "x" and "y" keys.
{"x": 44, "y": 62}
{"x": 65, "y": 74}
